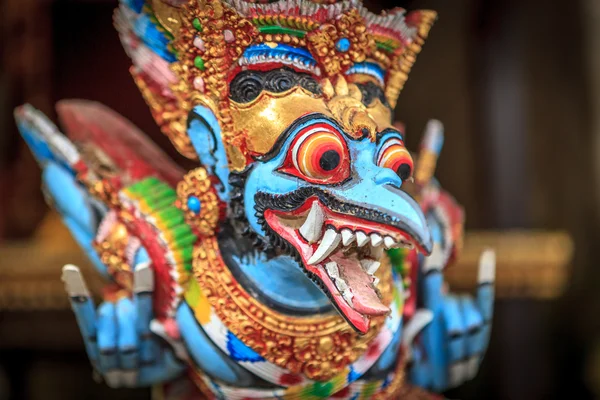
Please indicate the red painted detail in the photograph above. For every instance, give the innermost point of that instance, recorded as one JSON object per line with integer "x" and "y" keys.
{"x": 92, "y": 124}
{"x": 373, "y": 350}
{"x": 341, "y": 394}
{"x": 232, "y": 73}
{"x": 81, "y": 167}
{"x": 393, "y": 34}
{"x": 269, "y": 65}
{"x": 290, "y": 379}
{"x": 442, "y": 202}
{"x": 340, "y": 221}
{"x": 325, "y": 137}
{"x": 164, "y": 292}
{"x": 359, "y": 321}
{"x": 306, "y": 250}
{"x": 157, "y": 88}
{"x": 171, "y": 328}
{"x": 413, "y": 18}
{"x": 393, "y": 154}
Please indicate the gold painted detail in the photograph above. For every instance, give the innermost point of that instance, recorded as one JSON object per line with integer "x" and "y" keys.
{"x": 170, "y": 113}
{"x": 215, "y": 34}
{"x": 382, "y": 58}
{"x": 167, "y": 15}
{"x": 197, "y": 184}
{"x": 319, "y": 347}
{"x": 287, "y": 21}
{"x": 322, "y": 43}
{"x": 211, "y": 39}
{"x": 210, "y": 36}
{"x": 425, "y": 167}
{"x": 112, "y": 252}
{"x": 402, "y": 63}
{"x": 344, "y": 102}
{"x": 260, "y": 122}
{"x": 281, "y": 38}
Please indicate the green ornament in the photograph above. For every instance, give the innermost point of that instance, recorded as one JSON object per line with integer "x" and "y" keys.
{"x": 322, "y": 389}
{"x": 199, "y": 63}
{"x": 197, "y": 24}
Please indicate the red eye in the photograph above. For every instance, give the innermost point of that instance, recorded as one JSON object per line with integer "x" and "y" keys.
{"x": 393, "y": 155}
{"x": 320, "y": 154}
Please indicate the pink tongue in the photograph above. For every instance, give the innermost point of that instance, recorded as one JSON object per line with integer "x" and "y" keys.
{"x": 365, "y": 300}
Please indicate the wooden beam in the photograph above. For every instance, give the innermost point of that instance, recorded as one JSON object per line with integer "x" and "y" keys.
{"x": 529, "y": 264}
{"x": 532, "y": 264}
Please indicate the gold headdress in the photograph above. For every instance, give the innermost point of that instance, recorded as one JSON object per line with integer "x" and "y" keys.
{"x": 185, "y": 52}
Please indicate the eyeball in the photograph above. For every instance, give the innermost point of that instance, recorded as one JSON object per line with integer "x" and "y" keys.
{"x": 320, "y": 154}
{"x": 395, "y": 156}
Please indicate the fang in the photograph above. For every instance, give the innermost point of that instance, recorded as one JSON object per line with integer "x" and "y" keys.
{"x": 330, "y": 241}
{"x": 312, "y": 227}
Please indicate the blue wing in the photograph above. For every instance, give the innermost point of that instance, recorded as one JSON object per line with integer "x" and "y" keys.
{"x": 57, "y": 157}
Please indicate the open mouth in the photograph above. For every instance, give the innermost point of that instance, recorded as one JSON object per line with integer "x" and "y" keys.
{"x": 341, "y": 245}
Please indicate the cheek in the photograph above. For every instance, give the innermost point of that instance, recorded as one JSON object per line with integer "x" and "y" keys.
{"x": 263, "y": 179}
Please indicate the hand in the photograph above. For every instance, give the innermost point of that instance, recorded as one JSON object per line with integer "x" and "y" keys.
{"x": 452, "y": 331}
{"x": 118, "y": 339}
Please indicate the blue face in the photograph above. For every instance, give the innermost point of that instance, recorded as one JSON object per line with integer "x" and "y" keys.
{"x": 335, "y": 203}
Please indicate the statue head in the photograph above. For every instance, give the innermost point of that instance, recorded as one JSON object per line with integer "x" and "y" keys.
{"x": 288, "y": 107}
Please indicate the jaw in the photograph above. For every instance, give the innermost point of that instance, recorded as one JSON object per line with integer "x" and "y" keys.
{"x": 341, "y": 252}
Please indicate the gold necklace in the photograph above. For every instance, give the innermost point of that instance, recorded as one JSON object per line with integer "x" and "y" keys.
{"x": 318, "y": 347}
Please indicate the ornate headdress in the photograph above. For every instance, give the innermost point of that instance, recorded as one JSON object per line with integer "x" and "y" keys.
{"x": 185, "y": 52}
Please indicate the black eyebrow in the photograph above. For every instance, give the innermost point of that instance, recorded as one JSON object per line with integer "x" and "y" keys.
{"x": 389, "y": 131}
{"x": 371, "y": 91}
{"x": 288, "y": 131}
{"x": 249, "y": 84}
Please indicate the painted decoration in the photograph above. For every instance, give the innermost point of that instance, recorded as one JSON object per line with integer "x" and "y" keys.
{"x": 303, "y": 257}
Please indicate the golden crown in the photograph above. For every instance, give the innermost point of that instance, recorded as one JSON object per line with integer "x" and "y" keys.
{"x": 186, "y": 51}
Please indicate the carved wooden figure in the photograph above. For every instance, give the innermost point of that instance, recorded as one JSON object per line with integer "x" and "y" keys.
{"x": 292, "y": 262}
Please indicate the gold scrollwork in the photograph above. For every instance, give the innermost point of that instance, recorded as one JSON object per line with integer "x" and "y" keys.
{"x": 112, "y": 252}
{"x": 324, "y": 43}
{"x": 403, "y": 62}
{"x": 197, "y": 184}
{"x": 318, "y": 346}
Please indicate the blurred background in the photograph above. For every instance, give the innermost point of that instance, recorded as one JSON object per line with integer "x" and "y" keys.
{"x": 517, "y": 85}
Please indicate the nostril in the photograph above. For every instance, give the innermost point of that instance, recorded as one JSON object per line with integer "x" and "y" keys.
{"x": 386, "y": 176}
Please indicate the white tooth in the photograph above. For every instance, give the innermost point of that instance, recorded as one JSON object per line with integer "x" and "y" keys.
{"x": 312, "y": 227}
{"x": 389, "y": 242}
{"x": 370, "y": 266}
{"x": 347, "y": 295}
{"x": 332, "y": 270}
{"x": 377, "y": 252}
{"x": 347, "y": 237}
{"x": 361, "y": 239}
{"x": 376, "y": 240}
{"x": 341, "y": 285}
{"x": 330, "y": 241}
{"x": 375, "y": 281}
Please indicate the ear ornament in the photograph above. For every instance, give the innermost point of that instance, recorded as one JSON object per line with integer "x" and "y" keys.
{"x": 198, "y": 200}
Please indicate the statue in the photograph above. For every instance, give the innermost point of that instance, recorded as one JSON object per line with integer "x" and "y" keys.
{"x": 292, "y": 263}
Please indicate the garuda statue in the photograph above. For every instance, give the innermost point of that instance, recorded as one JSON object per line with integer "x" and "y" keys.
{"x": 291, "y": 263}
